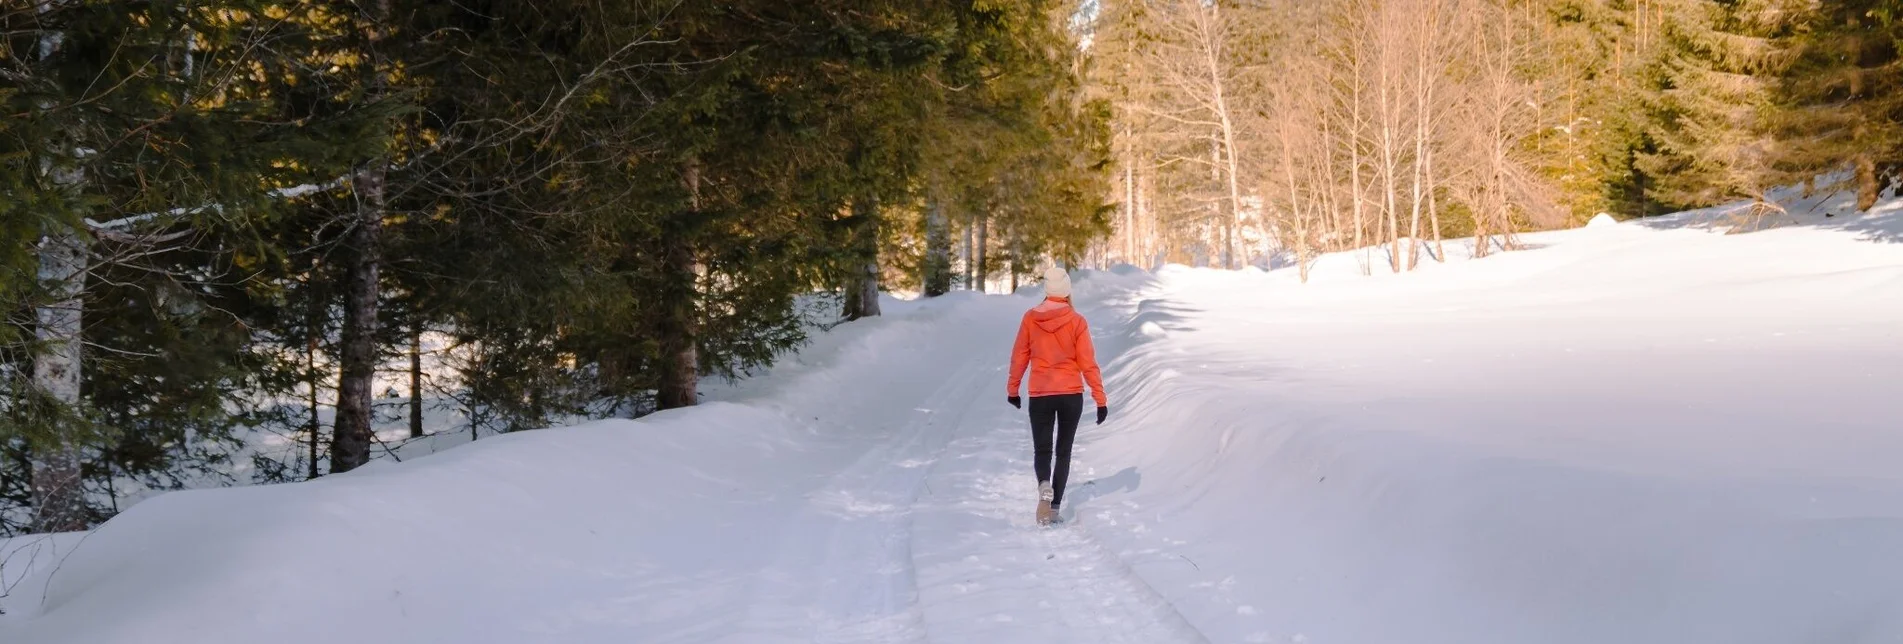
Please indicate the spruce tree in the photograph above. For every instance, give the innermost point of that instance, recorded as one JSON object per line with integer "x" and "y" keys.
{"x": 1712, "y": 87}
{"x": 1839, "y": 104}
{"x": 144, "y": 157}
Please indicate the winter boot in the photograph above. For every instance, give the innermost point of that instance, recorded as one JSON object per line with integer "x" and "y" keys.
{"x": 1046, "y": 515}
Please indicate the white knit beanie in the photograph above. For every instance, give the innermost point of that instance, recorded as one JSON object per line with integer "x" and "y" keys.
{"x": 1056, "y": 282}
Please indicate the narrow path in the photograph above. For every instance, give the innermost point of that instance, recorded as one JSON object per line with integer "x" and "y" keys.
{"x": 842, "y": 569}
{"x": 987, "y": 573}
{"x": 929, "y": 536}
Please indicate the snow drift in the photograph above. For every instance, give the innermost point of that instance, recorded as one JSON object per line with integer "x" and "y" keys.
{"x": 1629, "y": 434}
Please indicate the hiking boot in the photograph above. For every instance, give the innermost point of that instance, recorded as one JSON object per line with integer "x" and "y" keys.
{"x": 1045, "y": 493}
{"x": 1046, "y": 514}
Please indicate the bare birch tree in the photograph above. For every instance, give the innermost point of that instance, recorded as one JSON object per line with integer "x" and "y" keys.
{"x": 1366, "y": 117}
{"x": 1191, "y": 59}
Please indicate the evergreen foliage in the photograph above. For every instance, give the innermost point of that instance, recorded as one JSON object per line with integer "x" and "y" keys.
{"x": 568, "y": 209}
{"x": 1840, "y": 101}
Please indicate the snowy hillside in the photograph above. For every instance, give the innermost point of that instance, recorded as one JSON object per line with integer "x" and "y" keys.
{"x": 1644, "y": 432}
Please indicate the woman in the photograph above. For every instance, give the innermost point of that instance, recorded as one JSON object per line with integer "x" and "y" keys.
{"x": 1054, "y": 341}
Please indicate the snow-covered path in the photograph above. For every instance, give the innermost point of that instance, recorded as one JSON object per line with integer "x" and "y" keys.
{"x": 1633, "y": 434}
{"x": 844, "y": 572}
{"x": 976, "y": 551}
{"x": 928, "y": 535}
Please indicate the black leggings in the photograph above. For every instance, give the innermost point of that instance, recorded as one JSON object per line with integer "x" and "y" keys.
{"x": 1063, "y": 411}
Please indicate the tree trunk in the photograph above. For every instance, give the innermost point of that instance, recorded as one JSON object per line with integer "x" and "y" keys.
{"x": 679, "y": 341}
{"x": 1220, "y": 101}
{"x": 680, "y": 357}
{"x": 416, "y": 379}
{"x": 1234, "y": 223}
{"x": 1483, "y": 241}
{"x": 1393, "y": 217}
{"x": 59, "y": 494}
{"x": 1390, "y": 212}
{"x": 1424, "y": 150}
{"x": 1217, "y": 208}
{"x": 1414, "y": 222}
{"x": 1387, "y": 85}
{"x": 984, "y": 243}
{"x": 1638, "y": 181}
{"x": 58, "y": 491}
{"x": 1433, "y": 209}
{"x": 1235, "y": 261}
{"x": 862, "y": 285}
{"x": 968, "y": 255}
{"x": 1494, "y": 214}
{"x": 1354, "y": 170}
{"x": 313, "y": 327}
{"x": 1420, "y": 152}
{"x": 1130, "y": 242}
{"x": 1294, "y": 199}
{"x": 1867, "y": 185}
{"x": 1323, "y": 182}
{"x": 1011, "y": 260}
{"x": 938, "y": 247}
{"x": 1146, "y": 241}
{"x": 351, "y": 433}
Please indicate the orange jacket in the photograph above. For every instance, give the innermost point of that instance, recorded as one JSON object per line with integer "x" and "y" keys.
{"x": 1054, "y": 341}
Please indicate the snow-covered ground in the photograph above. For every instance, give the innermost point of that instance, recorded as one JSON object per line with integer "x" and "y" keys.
{"x": 1645, "y": 432}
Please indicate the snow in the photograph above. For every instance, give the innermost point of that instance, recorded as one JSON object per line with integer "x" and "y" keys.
{"x": 1629, "y": 434}
{"x": 1640, "y": 432}
{"x": 292, "y": 192}
{"x": 32, "y": 558}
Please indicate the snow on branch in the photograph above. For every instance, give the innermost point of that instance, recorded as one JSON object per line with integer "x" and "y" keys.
{"x": 292, "y": 192}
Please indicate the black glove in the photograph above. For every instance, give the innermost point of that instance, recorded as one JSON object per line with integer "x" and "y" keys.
{"x": 1102, "y": 413}
{"x": 1016, "y": 402}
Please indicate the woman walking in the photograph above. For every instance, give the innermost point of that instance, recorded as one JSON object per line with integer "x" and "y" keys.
{"x": 1054, "y": 341}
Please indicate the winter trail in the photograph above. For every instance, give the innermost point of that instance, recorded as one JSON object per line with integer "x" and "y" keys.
{"x": 928, "y": 536}
{"x": 978, "y": 549}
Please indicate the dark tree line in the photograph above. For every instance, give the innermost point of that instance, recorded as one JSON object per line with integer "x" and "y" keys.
{"x": 238, "y": 222}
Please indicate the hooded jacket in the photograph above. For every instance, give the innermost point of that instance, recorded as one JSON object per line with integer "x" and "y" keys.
{"x": 1054, "y": 341}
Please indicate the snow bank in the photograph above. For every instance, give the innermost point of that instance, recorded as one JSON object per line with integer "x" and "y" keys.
{"x": 27, "y": 561}
{"x": 652, "y": 529}
{"x": 1629, "y": 434}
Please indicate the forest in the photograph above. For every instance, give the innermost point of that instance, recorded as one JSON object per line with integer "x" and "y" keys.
{"x": 1268, "y": 132}
{"x": 233, "y": 223}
